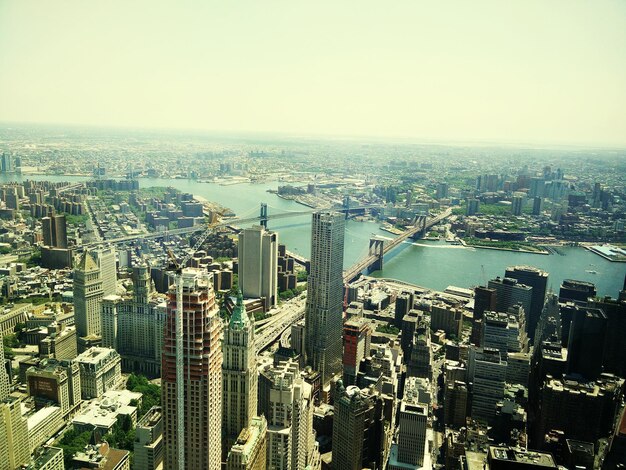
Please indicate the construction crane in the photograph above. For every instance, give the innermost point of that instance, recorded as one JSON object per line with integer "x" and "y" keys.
{"x": 175, "y": 269}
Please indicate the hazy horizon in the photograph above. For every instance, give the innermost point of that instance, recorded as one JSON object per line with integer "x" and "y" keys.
{"x": 542, "y": 73}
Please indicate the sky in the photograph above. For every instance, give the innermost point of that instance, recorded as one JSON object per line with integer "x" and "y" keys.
{"x": 509, "y": 71}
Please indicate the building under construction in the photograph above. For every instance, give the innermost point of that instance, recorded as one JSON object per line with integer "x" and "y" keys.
{"x": 201, "y": 373}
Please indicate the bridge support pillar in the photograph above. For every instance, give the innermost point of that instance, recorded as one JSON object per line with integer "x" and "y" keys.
{"x": 346, "y": 206}
{"x": 376, "y": 249}
{"x": 420, "y": 221}
{"x": 263, "y": 216}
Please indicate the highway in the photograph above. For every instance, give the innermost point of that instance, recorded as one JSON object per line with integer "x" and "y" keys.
{"x": 290, "y": 312}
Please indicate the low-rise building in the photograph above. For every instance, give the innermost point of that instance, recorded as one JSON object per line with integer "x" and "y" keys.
{"x": 100, "y": 370}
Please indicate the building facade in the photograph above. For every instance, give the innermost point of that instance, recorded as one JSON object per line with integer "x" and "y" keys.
{"x": 324, "y": 303}
{"x": 258, "y": 264}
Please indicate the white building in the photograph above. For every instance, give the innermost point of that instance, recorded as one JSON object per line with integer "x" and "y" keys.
{"x": 87, "y": 297}
{"x": 105, "y": 257}
{"x": 100, "y": 370}
{"x": 258, "y": 264}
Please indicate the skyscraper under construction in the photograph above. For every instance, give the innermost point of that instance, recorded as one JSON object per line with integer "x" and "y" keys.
{"x": 201, "y": 373}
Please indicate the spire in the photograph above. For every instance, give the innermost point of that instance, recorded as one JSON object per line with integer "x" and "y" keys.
{"x": 239, "y": 317}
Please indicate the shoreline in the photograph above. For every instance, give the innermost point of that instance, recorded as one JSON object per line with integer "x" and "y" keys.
{"x": 602, "y": 255}
{"x": 542, "y": 252}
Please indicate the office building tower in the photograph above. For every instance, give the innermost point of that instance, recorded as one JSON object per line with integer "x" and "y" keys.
{"x": 148, "y": 445}
{"x": 537, "y": 205}
{"x": 501, "y": 331}
{"x": 455, "y": 404}
{"x": 549, "y": 325}
{"x": 57, "y": 382}
{"x": 585, "y": 350}
{"x": 357, "y": 334}
{"x": 288, "y": 400}
{"x": 582, "y": 410}
{"x": 7, "y": 163}
{"x": 359, "y": 434}
{"x": 538, "y": 281}
{"x": 420, "y": 362}
{"x": 14, "y": 444}
{"x": 517, "y": 205}
{"x": 404, "y": 304}
{"x": 250, "y": 449}
{"x": 442, "y": 191}
{"x": 202, "y": 375}
{"x": 61, "y": 342}
{"x": 615, "y": 344}
{"x": 54, "y": 230}
{"x": 518, "y": 368}
{"x": 510, "y": 292}
{"x": 87, "y": 297}
{"x": 4, "y": 376}
{"x": 133, "y": 325}
{"x": 473, "y": 207}
{"x": 100, "y": 370}
{"x": 324, "y": 303}
{"x": 410, "y": 323}
{"x": 105, "y": 258}
{"x": 239, "y": 375}
{"x": 487, "y": 373}
{"x": 576, "y": 291}
{"x": 258, "y": 264}
{"x": 447, "y": 319}
{"x": 484, "y": 299}
{"x": 411, "y": 447}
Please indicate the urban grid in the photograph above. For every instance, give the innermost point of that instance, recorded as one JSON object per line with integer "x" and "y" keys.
{"x": 203, "y": 300}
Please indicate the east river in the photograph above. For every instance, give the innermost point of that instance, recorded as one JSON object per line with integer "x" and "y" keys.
{"x": 432, "y": 264}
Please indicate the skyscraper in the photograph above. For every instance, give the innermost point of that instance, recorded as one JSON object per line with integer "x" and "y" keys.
{"x": 357, "y": 333}
{"x": 324, "y": 303}
{"x": 538, "y": 280}
{"x": 54, "y": 231}
{"x": 105, "y": 258}
{"x": 585, "y": 349}
{"x": 87, "y": 297}
{"x": 487, "y": 372}
{"x": 358, "y": 429}
{"x": 239, "y": 375}
{"x": 510, "y": 292}
{"x": 258, "y": 264}
{"x": 4, "y": 376}
{"x": 412, "y": 429}
{"x": 202, "y": 375}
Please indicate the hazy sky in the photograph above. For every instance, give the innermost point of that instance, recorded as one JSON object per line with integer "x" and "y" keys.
{"x": 531, "y": 71}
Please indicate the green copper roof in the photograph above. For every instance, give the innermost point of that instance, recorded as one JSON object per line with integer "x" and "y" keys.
{"x": 239, "y": 317}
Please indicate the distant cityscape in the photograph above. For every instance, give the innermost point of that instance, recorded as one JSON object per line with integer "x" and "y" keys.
{"x": 203, "y": 301}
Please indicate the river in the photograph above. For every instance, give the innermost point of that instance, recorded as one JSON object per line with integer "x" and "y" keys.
{"x": 432, "y": 264}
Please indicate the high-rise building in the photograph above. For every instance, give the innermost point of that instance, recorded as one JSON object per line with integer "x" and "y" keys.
{"x": 202, "y": 375}
{"x": 484, "y": 299}
{"x": 57, "y": 382}
{"x": 404, "y": 304}
{"x": 413, "y": 419}
{"x": 133, "y": 325}
{"x": 4, "y": 376}
{"x": 517, "y": 205}
{"x": 455, "y": 401}
{"x": 615, "y": 344}
{"x": 582, "y": 410}
{"x": 54, "y": 231}
{"x": 420, "y": 362}
{"x": 585, "y": 350}
{"x": 324, "y": 303}
{"x": 87, "y": 297}
{"x": 357, "y": 333}
{"x": 258, "y": 264}
{"x": 538, "y": 280}
{"x": 100, "y": 370}
{"x": 250, "y": 449}
{"x": 576, "y": 291}
{"x": 507, "y": 458}
{"x": 446, "y": 318}
{"x": 358, "y": 429}
{"x": 473, "y": 206}
{"x": 510, "y": 292}
{"x": 549, "y": 325}
{"x": 148, "y": 444}
{"x": 487, "y": 372}
{"x": 537, "y": 205}
{"x": 14, "y": 444}
{"x": 502, "y": 331}
{"x": 239, "y": 375}
{"x": 105, "y": 258}
{"x": 289, "y": 403}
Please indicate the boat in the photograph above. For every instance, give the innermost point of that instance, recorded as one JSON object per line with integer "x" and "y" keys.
{"x": 591, "y": 271}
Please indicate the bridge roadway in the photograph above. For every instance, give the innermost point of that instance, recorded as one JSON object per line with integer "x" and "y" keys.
{"x": 225, "y": 223}
{"x": 351, "y": 273}
{"x": 275, "y": 327}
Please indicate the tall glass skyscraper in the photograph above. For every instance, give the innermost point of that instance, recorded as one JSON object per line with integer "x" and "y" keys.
{"x": 324, "y": 304}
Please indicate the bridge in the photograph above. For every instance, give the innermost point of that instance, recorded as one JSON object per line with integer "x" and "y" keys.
{"x": 261, "y": 219}
{"x": 276, "y": 327}
{"x": 379, "y": 247}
